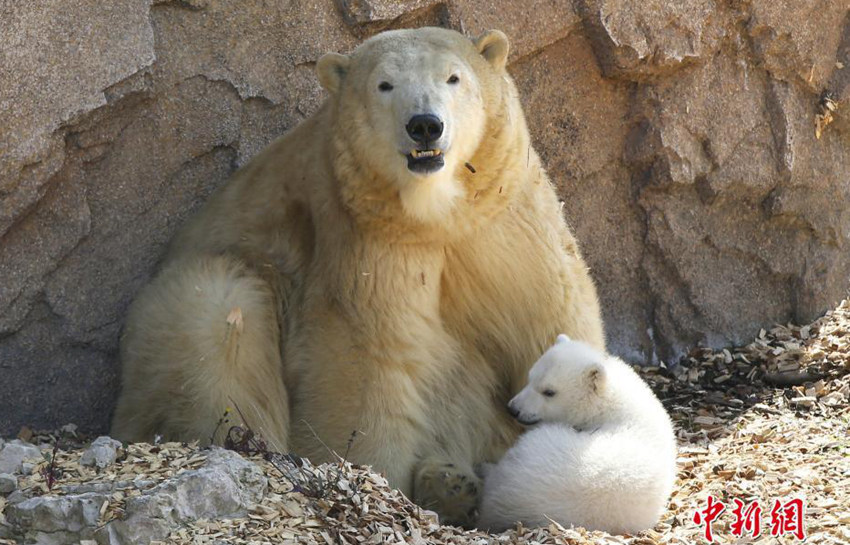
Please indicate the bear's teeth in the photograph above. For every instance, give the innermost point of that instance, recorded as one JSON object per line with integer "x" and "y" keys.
{"x": 425, "y": 153}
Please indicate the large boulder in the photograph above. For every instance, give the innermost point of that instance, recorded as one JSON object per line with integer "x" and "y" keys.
{"x": 681, "y": 136}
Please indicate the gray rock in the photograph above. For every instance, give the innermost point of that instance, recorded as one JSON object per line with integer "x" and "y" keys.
{"x": 15, "y": 453}
{"x": 71, "y": 79}
{"x": 226, "y": 486}
{"x": 374, "y": 11}
{"x": 639, "y": 38}
{"x": 84, "y": 488}
{"x": 138, "y": 484}
{"x": 8, "y": 483}
{"x": 551, "y": 20}
{"x": 70, "y": 429}
{"x": 101, "y": 453}
{"x": 798, "y": 43}
{"x": 17, "y": 496}
{"x": 56, "y": 519}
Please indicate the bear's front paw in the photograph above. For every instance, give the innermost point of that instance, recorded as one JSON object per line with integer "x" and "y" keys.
{"x": 449, "y": 489}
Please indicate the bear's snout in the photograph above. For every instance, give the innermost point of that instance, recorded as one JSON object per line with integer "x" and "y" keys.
{"x": 425, "y": 128}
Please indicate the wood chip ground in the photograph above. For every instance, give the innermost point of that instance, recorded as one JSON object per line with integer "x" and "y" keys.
{"x": 764, "y": 422}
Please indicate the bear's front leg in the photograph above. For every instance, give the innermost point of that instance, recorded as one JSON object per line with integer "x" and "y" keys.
{"x": 369, "y": 420}
{"x": 449, "y": 488}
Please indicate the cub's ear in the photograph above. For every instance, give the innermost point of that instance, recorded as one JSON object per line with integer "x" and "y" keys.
{"x": 562, "y": 338}
{"x": 331, "y": 69}
{"x": 595, "y": 377}
{"x": 493, "y": 46}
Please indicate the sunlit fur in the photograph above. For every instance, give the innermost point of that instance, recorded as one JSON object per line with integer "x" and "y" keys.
{"x": 412, "y": 319}
{"x": 419, "y": 79}
{"x": 603, "y": 455}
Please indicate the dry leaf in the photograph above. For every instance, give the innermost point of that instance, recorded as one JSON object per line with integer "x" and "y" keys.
{"x": 234, "y": 319}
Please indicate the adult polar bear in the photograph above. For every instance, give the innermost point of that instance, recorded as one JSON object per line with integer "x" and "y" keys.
{"x": 393, "y": 265}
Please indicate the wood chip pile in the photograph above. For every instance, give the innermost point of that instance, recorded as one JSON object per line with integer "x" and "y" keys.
{"x": 764, "y": 422}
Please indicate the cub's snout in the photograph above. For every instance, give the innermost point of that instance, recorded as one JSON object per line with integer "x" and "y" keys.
{"x": 522, "y": 416}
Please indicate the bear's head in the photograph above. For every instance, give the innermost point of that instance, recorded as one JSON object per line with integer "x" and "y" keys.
{"x": 410, "y": 110}
{"x": 566, "y": 385}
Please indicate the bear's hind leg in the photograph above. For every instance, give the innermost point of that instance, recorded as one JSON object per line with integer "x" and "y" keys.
{"x": 201, "y": 337}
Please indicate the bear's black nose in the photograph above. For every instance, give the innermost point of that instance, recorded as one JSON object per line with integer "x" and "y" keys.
{"x": 425, "y": 128}
{"x": 513, "y": 412}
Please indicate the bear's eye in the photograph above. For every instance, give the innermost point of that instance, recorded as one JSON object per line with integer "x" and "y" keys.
{"x": 385, "y": 86}
{"x": 453, "y": 79}
{"x": 549, "y": 393}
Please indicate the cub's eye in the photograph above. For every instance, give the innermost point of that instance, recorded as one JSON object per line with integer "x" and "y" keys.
{"x": 453, "y": 79}
{"x": 549, "y": 393}
{"x": 385, "y": 86}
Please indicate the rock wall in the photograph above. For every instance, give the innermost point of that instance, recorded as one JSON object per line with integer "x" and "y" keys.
{"x": 681, "y": 135}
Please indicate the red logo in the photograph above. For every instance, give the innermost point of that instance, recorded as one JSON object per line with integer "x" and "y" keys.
{"x": 708, "y": 515}
{"x": 747, "y": 518}
{"x": 785, "y": 518}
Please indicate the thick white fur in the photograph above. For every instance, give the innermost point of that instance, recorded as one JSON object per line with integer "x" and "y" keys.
{"x": 419, "y": 80}
{"x": 602, "y": 457}
{"x": 407, "y": 307}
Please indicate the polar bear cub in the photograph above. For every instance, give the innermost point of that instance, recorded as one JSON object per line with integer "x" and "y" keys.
{"x": 601, "y": 454}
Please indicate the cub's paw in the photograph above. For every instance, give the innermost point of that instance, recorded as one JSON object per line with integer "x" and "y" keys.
{"x": 449, "y": 489}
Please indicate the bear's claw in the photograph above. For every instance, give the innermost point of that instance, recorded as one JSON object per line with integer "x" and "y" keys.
{"x": 448, "y": 490}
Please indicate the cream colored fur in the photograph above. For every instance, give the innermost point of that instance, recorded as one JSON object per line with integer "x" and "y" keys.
{"x": 404, "y": 306}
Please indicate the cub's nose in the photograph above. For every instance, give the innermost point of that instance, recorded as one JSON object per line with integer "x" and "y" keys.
{"x": 512, "y": 411}
{"x": 425, "y": 128}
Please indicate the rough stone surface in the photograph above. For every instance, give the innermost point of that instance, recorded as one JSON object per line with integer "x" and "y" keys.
{"x": 15, "y": 453}
{"x": 680, "y": 135}
{"x": 101, "y": 453}
{"x": 8, "y": 483}
{"x": 79, "y": 48}
{"x": 635, "y": 39}
{"x": 226, "y": 486}
{"x": 56, "y": 520}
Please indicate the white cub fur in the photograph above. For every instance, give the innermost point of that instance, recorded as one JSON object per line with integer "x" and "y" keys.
{"x": 602, "y": 457}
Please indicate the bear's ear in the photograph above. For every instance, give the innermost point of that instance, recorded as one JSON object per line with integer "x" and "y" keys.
{"x": 493, "y": 46}
{"x": 595, "y": 377}
{"x": 331, "y": 68}
{"x": 562, "y": 338}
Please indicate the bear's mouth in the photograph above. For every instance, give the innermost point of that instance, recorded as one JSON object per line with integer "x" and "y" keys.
{"x": 425, "y": 161}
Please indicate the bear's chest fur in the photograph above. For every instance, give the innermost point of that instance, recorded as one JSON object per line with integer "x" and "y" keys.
{"x": 503, "y": 289}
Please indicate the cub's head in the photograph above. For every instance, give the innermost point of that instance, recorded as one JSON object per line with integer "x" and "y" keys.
{"x": 411, "y": 108}
{"x": 567, "y": 385}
